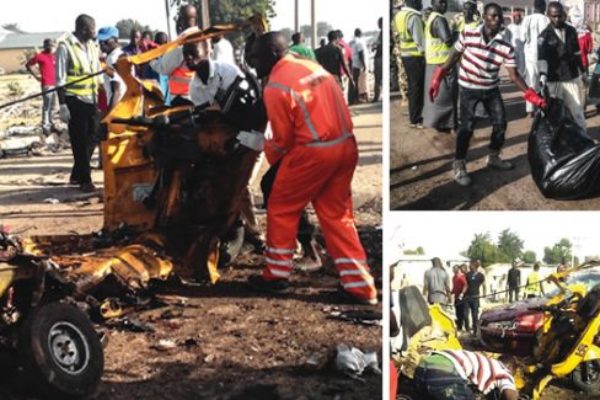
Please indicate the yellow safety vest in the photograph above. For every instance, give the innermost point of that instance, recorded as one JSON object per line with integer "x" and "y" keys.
{"x": 531, "y": 288}
{"x": 436, "y": 51}
{"x": 79, "y": 67}
{"x": 460, "y": 24}
{"x": 408, "y": 47}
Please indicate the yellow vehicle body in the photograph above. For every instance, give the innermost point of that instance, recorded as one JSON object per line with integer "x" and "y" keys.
{"x": 157, "y": 244}
{"x": 585, "y": 348}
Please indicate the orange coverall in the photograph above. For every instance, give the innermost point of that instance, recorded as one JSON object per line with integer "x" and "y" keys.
{"x": 312, "y": 135}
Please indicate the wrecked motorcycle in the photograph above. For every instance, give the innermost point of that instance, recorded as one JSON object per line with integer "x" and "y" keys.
{"x": 175, "y": 179}
{"x": 568, "y": 344}
{"x": 43, "y": 334}
{"x": 174, "y": 183}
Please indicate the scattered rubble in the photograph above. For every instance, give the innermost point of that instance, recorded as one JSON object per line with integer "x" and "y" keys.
{"x": 353, "y": 362}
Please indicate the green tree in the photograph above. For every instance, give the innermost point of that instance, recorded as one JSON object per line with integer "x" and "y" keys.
{"x": 529, "y": 257}
{"x": 126, "y": 25}
{"x": 419, "y": 251}
{"x": 510, "y": 246}
{"x": 559, "y": 252}
{"x": 483, "y": 248}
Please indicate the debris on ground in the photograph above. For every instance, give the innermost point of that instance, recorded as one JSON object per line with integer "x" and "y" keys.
{"x": 129, "y": 324}
{"x": 318, "y": 361}
{"x": 353, "y": 362}
{"x": 164, "y": 345}
{"x": 364, "y": 317}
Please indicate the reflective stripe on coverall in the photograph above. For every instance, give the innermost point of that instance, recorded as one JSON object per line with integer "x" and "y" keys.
{"x": 179, "y": 81}
{"x": 312, "y": 131}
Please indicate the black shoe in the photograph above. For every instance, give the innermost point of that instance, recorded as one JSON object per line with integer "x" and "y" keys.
{"x": 350, "y": 298}
{"x": 87, "y": 187}
{"x": 279, "y": 286}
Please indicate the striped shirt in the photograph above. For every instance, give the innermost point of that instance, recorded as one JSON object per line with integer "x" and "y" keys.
{"x": 485, "y": 373}
{"x": 480, "y": 61}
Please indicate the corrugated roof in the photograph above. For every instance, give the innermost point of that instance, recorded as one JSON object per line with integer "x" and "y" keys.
{"x": 26, "y": 40}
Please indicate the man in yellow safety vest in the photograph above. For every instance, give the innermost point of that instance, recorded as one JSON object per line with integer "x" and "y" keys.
{"x": 468, "y": 19}
{"x": 409, "y": 25}
{"x": 78, "y": 55}
{"x": 534, "y": 286}
{"x": 441, "y": 113}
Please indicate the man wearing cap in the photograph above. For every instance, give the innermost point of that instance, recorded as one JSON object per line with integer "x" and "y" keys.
{"x": 108, "y": 38}
{"x": 78, "y": 56}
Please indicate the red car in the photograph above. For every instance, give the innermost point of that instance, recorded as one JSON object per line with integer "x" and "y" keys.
{"x": 511, "y": 328}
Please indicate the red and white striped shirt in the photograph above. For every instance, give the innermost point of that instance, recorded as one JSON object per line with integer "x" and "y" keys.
{"x": 480, "y": 61}
{"x": 485, "y": 373}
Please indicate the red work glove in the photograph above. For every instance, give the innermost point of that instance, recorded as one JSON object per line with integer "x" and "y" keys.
{"x": 436, "y": 82}
{"x": 531, "y": 96}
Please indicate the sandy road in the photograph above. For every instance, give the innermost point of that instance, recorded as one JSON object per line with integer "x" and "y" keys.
{"x": 240, "y": 344}
{"x": 421, "y": 163}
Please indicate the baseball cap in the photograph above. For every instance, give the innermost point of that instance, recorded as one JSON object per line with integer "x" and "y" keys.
{"x": 107, "y": 32}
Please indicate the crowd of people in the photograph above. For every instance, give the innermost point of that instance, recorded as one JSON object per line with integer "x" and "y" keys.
{"x": 468, "y": 284}
{"x": 461, "y": 60}
{"x": 309, "y": 140}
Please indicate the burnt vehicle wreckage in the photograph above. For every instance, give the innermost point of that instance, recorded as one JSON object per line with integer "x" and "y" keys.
{"x": 174, "y": 184}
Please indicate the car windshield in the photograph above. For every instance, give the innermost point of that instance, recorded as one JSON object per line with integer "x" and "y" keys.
{"x": 588, "y": 277}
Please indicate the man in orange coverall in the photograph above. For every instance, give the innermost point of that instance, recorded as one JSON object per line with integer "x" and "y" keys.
{"x": 313, "y": 139}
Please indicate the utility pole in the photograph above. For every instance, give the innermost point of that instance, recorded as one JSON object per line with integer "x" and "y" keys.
{"x": 205, "y": 17}
{"x": 168, "y": 7}
{"x": 296, "y": 15}
{"x": 313, "y": 19}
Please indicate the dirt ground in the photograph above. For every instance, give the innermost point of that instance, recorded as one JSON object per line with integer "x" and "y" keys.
{"x": 231, "y": 343}
{"x": 421, "y": 163}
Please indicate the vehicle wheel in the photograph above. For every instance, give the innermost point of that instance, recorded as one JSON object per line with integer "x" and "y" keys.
{"x": 60, "y": 352}
{"x": 586, "y": 377}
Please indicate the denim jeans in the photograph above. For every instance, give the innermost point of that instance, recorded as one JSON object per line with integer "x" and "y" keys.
{"x": 48, "y": 104}
{"x": 493, "y": 104}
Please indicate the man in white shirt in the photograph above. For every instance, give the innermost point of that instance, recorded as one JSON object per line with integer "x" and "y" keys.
{"x": 212, "y": 87}
{"x": 516, "y": 31}
{"x": 114, "y": 87}
{"x": 531, "y": 28}
{"x": 359, "y": 67}
{"x": 172, "y": 63}
{"x": 223, "y": 50}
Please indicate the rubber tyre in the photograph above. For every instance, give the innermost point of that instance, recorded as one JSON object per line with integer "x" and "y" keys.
{"x": 592, "y": 388}
{"x": 41, "y": 370}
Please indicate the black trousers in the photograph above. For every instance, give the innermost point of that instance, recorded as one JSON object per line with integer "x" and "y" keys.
{"x": 83, "y": 133}
{"x": 306, "y": 230}
{"x": 513, "y": 294}
{"x": 354, "y": 94}
{"x": 436, "y": 383}
{"x": 460, "y": 310}
{"x": 378, "y": 77}
{"x": 415, "y": 72}
{"x": 472, "y": 307}
{"x": 493, "y": 104}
